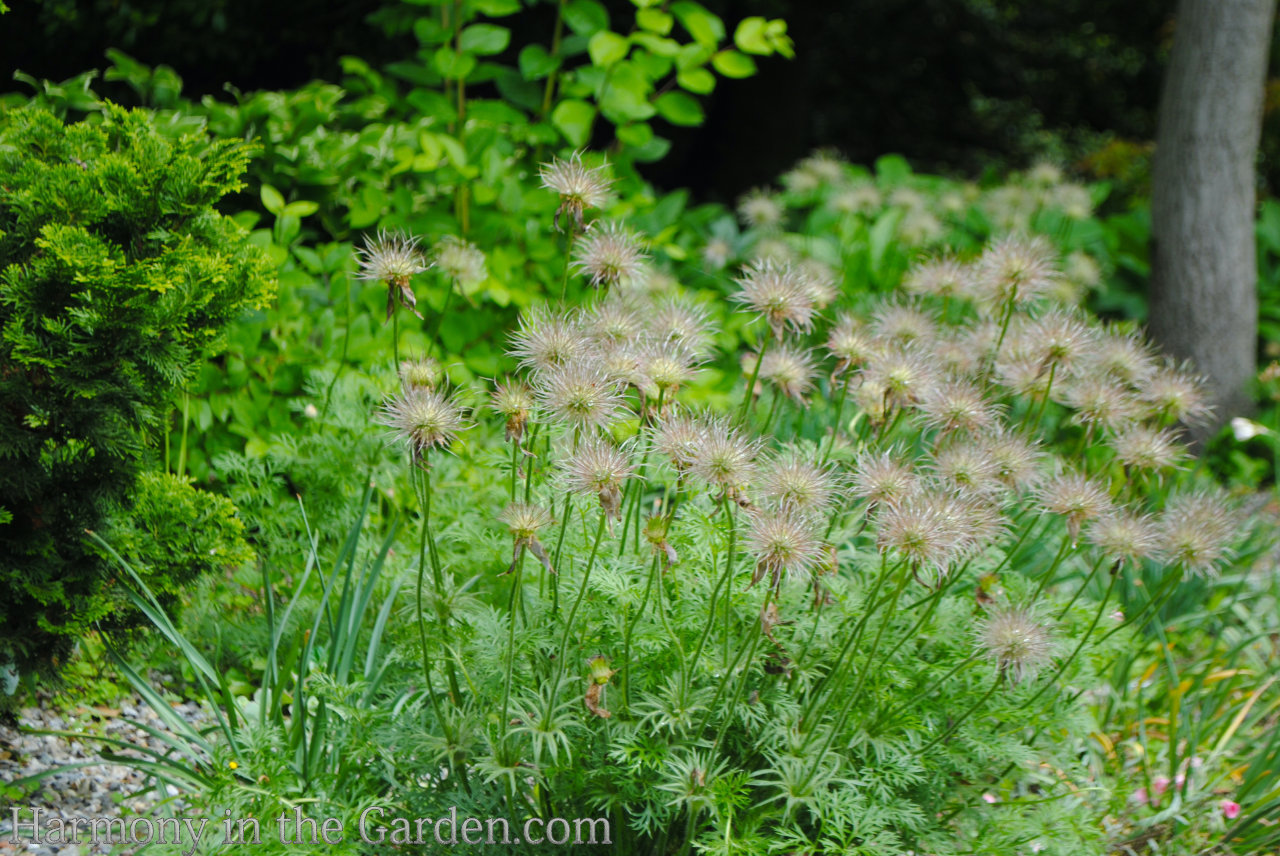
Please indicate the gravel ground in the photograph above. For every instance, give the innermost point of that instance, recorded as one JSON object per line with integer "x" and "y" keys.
{"x": 101, "y": 790}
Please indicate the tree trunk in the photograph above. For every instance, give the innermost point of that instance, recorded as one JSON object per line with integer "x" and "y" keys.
{"x": 1204, "y": 299}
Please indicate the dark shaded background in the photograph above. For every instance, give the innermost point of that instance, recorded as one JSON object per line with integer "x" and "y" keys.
{"x": 955, "y": 85}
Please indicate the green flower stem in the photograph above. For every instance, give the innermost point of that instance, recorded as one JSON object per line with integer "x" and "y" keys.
{"x": 434, "y": 341}
{"x": 437, "y": 574}
{"x": 529, "y": 466}
{"x": 726, "y": 506}
{"x": 1084, "y": 640}
{"x": 1007, "y": 316}
{"x": 835, "y": 426}
{"x": 635, "y": 487}
{"x": 868, "y": 607}
{"x": 1053, "y": 567}
{"x": 515, "y": 466}
{"x": 426, "y": 548}
{"x": 964, "y": 716}
{"x": 757, "y": 632}
{"x": 1044, "y": 402}
{"x": 1084, "y": 585}
{"x": 513, "y": 600}
{"x": 853, "y": 697}
{"x": 582, "y": 592}
{"x": 624, "y": 678}
{"x": 922, "y": 694}
{"x": 747, "y": 399}
{"x": 395, "y": 338}
{"x": 342, "y": 360}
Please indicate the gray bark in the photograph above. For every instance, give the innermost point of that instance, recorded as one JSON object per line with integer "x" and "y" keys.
{"x": 1204, "y": 299}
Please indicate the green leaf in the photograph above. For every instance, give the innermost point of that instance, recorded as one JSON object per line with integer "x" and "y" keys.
{"x": 301, "y": 208}
{"x": 453, "y": 65}
{"x": 484, "y": 39}
{"x": 271, "y": 199}
{"x": 574, "y": 119}
{"x": 429, "y": 32}
{"x": 606, "y": 48}
{"x": 586, "y": 17}
{"x": 635, "y": 133}
{"x": 679, "y": 109}
{"x": 655, "y": 21}
{"x": 697, "y": 80}
{"x": 626, "y": 98}
{"x": 750, "y": 36}
{"x": 535, "y": 63}
{"x": 706, "y": 28}
{"x": 495, "y": 8}
{"x": 733, "y": 64}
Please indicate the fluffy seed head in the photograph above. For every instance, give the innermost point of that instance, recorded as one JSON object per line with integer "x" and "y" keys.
{"x": 599, "y": 467}
{"x": 1198, "y": 529}
{"x": 850, "y": 343}
{"x": 679, "y": 435}
{"x": 905, "y": 375}
{"x": 784, "y": 542}
{"x": 1124, "y": 536}
{"x": 1143, "y": 447}
{"x": 1017, "y": 640}
{"x": 789, "y": 480}
{"x": 1101, "y": 401}
{"x": 579, "y": 187}
{"x": 609, "y": 255}
{"x": 945, "y": 278}
{"x": 580, "y": 395}
{"x": 1016, "y": 458}
{"x": 725, "y": 459}
{"x": 958, "y": 405}
{"x": 879, "y": 477}
{"x": 860, "y": 198}
{"x": 920, "y": 531}
{"x": 665, "y": 366}
{"x": 1074, "y": 496}
{"x": 422, "y": 373}
{"x": 612, "y": 320}
{"x": 548, "y": 339}
{"x": 460, "y": 261}
{"x": 524, "y": 520}
{"x": 513, "y": 400}
{"x": 681, "y": 320}
{"x": 1059, "y": 338}
{"x": 903, "y": 323}
{"x": 1122, "y": 355}
{"x": 968, "y": 469}
{"x": 422, "y": 419}
{"x": 760, "y": 209}
{"x": 778, "y": 293}
{"x": 1175, "y": 395}
{"x": 391, "y": 257}
{"x": 789, "y": 369}
{"x": 1014, "y": 270}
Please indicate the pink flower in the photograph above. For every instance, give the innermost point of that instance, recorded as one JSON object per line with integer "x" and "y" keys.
{"x": 990, "y": 798}
{"x": 1140, "y": 795}
{"x": 1160, "y": 784}
{"x": 1230, "y": 810}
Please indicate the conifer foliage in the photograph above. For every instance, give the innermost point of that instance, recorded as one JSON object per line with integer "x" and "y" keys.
{"x": 117, "y": 275}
